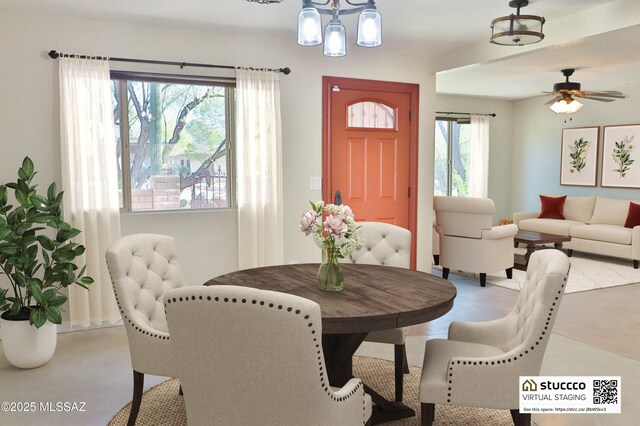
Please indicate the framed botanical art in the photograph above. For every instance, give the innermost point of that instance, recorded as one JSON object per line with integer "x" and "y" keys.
{"x": 621, "y": 157}
{"x": 579, "y": 156}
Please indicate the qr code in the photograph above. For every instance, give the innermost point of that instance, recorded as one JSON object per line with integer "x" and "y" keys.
{"x": 605, "y": 391}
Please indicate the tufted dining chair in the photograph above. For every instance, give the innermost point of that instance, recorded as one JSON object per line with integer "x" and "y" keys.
{"x": 255, "y": 358}
{"x": 143, "y": 267}
{"x": 468, "y": 241}
{"x": 479, "y": 365}
{"x": 388, "y": 245}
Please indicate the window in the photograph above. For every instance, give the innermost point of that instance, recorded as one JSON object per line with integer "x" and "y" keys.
{"x": 451, "y": 162}
{"x": 176, "y": 137}
{"x": 371, "y": 115}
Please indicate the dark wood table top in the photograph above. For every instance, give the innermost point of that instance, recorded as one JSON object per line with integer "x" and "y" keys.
{"x": 374, "y": 298}
{"x": 539, "y": 238}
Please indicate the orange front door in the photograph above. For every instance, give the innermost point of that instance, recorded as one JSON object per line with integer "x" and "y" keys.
{"x": 370, "y": 151}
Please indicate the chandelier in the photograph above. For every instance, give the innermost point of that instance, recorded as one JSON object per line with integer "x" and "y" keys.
{"x": 335, "y": 36}
{"x": 517, "y": 30}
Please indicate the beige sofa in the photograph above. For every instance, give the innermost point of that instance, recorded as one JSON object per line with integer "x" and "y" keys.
{"x": 595, "y": 225}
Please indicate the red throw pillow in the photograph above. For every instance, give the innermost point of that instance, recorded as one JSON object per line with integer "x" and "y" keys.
{"x": 633, "y": 217}
{"x": 552, "y": 207}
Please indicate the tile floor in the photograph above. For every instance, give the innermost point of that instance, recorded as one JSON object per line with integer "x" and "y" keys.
{"x": 596, "y": 333}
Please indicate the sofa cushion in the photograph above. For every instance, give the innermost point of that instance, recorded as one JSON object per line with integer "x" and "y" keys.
{"x": 633, "y": 216}
{"x": 552, "y": 207}
{"x": 610, "y": 211}
{"x": 602, "y": 232}
{"x": 548, "y": 226}
{"x": 579, "y": 208}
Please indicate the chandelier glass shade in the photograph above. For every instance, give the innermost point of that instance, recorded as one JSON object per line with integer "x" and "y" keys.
{"x": 517, "y": 29}
{"x": 567, "y": 105}
{"x": 335, "y": 34}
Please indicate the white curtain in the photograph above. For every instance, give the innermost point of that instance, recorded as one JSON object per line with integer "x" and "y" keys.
{"x": 89, "y": 179}
{"x": 259, "y": 168}
{"x": 479, "y": 157}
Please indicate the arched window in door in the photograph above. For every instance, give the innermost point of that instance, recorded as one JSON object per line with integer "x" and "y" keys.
{"x": 371, "y": 115}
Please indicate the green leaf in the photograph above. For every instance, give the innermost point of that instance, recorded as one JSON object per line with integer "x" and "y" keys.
{"x": 86, "y": 280}
{"x": 38, "y": 317}
{"x": 53, "y": 314}
{"x": 22, "y": 197}
{"x": 36, "y": 292}
{"x": 52, "y": 192}
{"x": 65, "y": 235}
{"x": 58, "y": 300}
{"x": 40, "y": 203}
{"x": 46, "y": 242}
{"x": 27, "y": 166}
{"x": 48, "y": 295}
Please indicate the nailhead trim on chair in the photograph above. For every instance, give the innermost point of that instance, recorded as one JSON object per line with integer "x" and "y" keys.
{"x": 515, "y": 358}
{"x": 326, "y": 388}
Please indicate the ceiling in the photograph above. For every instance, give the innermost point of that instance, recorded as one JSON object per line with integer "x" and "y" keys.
{"x": 429, "y": 28}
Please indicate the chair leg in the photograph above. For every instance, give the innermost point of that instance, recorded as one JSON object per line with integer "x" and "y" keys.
{"x": 569, "y": 252}
{"x": 180, "y": 391}
{"x": 520, "y": 419}
{"x": 428, "y": 414}
{"x": 445, "y": 273}
{"x": 483, "y": 279}
{"x": 399, "y": 370}
{"x": 636, "y": 264}
{"x": 138, "y": 385}
{"x": 436, "y": 259}
{"x": 509, "y": 272}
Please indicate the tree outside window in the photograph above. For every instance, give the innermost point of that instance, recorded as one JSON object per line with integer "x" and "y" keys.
{"x": 451, "y": 160}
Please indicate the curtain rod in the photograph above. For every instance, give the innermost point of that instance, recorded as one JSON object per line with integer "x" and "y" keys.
{"x": 493, "y": 114}
{"x": 55, "y": 55}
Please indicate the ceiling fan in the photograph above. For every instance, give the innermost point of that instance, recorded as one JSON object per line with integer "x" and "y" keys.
{"x": 565, "y": 92}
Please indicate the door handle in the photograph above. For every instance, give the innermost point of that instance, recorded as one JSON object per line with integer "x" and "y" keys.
{"x": 338, "y": 198}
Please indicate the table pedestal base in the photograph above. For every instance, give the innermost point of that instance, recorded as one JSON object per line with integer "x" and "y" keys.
{"x": 338, "y": 352}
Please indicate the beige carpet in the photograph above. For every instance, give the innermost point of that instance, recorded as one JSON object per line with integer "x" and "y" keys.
{"x": 161, "y": 405}
{"x": 588, "y": 272}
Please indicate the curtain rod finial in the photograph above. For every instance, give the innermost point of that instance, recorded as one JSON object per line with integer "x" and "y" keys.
{"x": 53, "y": 54}
{"x": 286, "y": 71}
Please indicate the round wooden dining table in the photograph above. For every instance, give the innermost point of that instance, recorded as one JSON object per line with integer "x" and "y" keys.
{"x": 374, "y": 298}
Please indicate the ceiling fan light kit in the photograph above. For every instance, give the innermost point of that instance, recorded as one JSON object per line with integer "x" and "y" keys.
{"x": 517, "y": 29}
{"x": 335, "y": 35}
{"x": 564, "y": 92}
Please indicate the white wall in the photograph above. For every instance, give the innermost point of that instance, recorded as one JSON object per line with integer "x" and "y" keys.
{"x": 537, "y": 136}
{"x": 207, "y": 240}
{"x": 500, "y": 143}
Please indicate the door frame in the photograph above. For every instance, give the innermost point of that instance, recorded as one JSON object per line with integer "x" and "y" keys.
{"x": 379, "y": 86}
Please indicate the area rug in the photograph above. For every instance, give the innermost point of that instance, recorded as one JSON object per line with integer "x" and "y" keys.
{"x": 161, "y": 405}
{"x": 588, "y": 272}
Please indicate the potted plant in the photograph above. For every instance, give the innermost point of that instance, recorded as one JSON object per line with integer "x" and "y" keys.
{"x": 37, "y": 257}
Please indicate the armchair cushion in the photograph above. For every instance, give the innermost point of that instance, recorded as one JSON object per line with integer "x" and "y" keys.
{"x": 500, "y": 232}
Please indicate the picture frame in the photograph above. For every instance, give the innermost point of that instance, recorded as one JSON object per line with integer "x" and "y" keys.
{"x": 621, "y": 157}
{"x": 579, "y": 156}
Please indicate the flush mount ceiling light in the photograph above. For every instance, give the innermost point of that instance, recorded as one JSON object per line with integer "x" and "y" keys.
{"x": 566, "y": 105}
{"x": 335, "y": 35}
{"x": 517, "y": 30}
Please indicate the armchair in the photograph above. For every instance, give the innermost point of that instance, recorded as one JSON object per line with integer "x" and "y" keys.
{"x": 254, "y": 357}
{"x": 468, "y": 241}
{"x": 388, "y": 245}
{"x": 479, "y": 365}
{"x": 143, "y": 267}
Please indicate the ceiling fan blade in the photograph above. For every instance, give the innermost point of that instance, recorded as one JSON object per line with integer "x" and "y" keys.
{"x": 598, "y": 99}
{"x": 554, "y": 100}
{"x": 549, "y": 93}
{"x": 606, "y": 94}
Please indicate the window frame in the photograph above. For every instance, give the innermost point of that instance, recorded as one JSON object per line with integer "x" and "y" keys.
{"x": 121, "y": 78}
{"x": 450, "y": 121}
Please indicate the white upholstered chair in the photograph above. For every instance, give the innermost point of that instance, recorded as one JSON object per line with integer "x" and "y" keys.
{"x": 468, "y": 241}
{"x": 254, "y": 357}
{"x": 143, "y": 267}
{"x": 479, "y": 365}
{"x": 389, "y": 245}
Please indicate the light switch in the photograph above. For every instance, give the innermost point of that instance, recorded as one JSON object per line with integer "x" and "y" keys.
{"x": 315, "y": 183}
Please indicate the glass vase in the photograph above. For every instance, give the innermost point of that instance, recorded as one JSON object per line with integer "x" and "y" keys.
{"x": 330, "y": 274}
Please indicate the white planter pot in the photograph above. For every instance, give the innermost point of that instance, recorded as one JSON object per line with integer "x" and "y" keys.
{"x": 26, "y": 346}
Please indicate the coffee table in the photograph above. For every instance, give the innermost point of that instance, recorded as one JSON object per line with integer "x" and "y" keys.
{"x": 374, "y": 298}
{"x": 534, "y": 240}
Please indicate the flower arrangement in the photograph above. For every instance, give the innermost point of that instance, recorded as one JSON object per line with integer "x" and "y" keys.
{"x": 334, "y": 230}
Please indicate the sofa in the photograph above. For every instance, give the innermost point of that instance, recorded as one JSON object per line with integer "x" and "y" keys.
{"x": 595, "y": 225}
